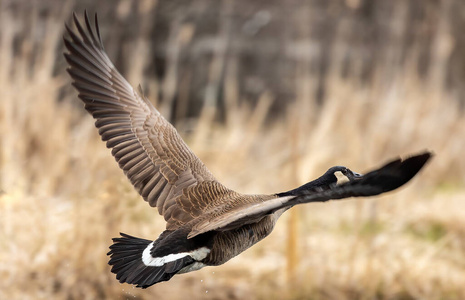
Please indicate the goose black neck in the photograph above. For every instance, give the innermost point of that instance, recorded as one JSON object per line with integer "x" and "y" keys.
{"x": 323, "y": 182}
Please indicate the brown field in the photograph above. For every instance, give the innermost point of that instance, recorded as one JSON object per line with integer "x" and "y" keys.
{"x": 62, "y": 196}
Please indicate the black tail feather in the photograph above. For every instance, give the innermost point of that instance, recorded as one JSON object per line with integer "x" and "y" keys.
{"x": 126, "y": 261}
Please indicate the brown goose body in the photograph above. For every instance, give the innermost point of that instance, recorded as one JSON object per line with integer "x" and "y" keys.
{"x": 207, "y": 223}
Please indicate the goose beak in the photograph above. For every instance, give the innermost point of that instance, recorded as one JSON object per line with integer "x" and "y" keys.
{"x": 355, "y": 176}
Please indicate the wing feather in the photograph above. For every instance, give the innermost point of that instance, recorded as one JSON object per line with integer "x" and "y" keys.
{"x": 148, "y": 149}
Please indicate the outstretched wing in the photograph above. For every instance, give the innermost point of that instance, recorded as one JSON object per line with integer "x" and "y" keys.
{"x": 387, "y": 178}
{"x": 146, "y": 146}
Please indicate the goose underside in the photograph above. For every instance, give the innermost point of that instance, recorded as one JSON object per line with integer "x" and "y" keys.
{"x": 230, "y": 243}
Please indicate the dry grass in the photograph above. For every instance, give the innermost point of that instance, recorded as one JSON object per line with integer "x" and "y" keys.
{"x": 63, "y": 197}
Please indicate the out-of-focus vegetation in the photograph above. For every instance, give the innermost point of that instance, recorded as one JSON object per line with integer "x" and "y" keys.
{"x": 269, "y": 94}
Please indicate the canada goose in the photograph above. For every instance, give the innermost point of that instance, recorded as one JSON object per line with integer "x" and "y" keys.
{"x": 207, "y": 223}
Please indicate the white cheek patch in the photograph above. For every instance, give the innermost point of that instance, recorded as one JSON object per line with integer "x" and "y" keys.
{"x": 341, "y": 178}
{"x": 151, "y": 261}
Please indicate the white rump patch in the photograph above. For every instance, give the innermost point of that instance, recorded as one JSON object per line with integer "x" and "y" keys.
{"x": 151, "y": 261}
{"x": 341, "y": 178}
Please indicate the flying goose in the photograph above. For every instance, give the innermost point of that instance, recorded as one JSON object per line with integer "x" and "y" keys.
{"x": 207, "y": 224}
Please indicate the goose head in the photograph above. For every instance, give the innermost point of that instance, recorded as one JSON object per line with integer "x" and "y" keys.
{"x": 339, "y": 175}
{"x": 334, "y": 176}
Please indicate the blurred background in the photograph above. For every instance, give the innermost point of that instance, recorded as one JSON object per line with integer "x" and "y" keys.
{"x": 269, "y": 94}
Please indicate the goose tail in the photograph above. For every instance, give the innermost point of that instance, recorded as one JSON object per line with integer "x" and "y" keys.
{"x": 130, "y": 261}
{"x": 144, "y": 263}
